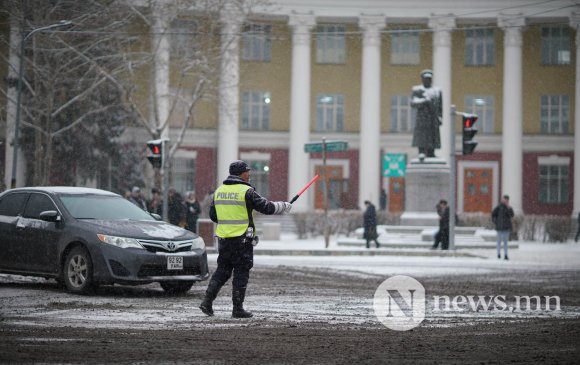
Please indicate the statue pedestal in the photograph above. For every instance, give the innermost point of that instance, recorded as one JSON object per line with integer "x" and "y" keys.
{"x": 426, "y": 182}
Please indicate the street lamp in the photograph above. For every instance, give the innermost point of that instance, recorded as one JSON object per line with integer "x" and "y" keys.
{"x": 25, "y": 36}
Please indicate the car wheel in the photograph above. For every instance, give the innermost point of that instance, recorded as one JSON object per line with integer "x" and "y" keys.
{"x": 78, "y": 271}
{"x": 176, "y": 287}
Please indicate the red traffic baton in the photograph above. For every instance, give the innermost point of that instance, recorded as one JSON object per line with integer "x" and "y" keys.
{"x": 304, "y": 188}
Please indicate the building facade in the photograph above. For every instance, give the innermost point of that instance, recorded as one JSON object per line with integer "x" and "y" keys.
{"x": 300, "y": 71}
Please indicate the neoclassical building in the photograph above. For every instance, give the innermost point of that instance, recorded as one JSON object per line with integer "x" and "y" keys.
{"x": 299, "y": 71}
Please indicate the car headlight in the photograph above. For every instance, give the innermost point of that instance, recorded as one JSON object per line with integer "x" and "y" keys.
{"x": 123, "y": 242}
{"x": 197, "y": 244}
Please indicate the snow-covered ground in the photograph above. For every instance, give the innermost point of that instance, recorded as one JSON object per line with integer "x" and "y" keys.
{"x": 420, "y": 262}
{"x": 34, "y": 301}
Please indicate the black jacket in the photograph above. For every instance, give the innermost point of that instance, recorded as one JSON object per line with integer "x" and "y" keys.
{"x": 370, "y": 223}
{"x": 254, "y": 201}
{"x": 502, "y": 217}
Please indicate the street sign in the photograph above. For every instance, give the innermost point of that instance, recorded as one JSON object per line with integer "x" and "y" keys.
{"x": 331, "y": 146}
{"x": 394, "y": 164}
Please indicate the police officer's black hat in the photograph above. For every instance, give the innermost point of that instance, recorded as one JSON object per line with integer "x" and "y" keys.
{"x": 238, "y": 167}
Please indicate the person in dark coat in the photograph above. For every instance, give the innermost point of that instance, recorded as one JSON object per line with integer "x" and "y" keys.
{"x": 437, "y": 236}
{"x": 444, "y": 224}
{"x": 370, "y": 224}
{"x": 502, "y": 218}
{"x": 137, "y": 199}
{"x": 429, "y": 104}
{"x": 384, "y": 199}
{"x": 193, "y": 210}
{"x": 175, "y": 207}
{"x": 578, "y": 231}
{"x": 155, "y": 205}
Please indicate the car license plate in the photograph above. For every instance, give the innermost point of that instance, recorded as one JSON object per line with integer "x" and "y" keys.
{"x": 174, "y": 262}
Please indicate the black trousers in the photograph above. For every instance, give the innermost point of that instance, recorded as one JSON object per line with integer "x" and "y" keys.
{"x": 444, "y": 238}
{"x": 237, "y": 257}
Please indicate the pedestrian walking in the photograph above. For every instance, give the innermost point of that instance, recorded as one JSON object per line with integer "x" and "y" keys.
{"x": 370, "y": 224}
{"x": 437, "y": 235}
{"x": 502, "y": 218}
{"x": 232, "y": 209}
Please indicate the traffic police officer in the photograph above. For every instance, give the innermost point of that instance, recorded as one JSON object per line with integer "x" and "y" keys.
{"x": 232, "y": 209}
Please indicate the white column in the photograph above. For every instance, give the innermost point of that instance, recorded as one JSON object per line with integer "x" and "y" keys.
{"x": 14, "y": 59}
{"x": 512, "y": 134}
{"x": 229, "y": 95}
{"x": 575, "y": 23}
{"x": 370, "y": 113}
{"x": 161, "y": 53}
{"x": 442, "y": 27}
{"x": 299, "y": 107}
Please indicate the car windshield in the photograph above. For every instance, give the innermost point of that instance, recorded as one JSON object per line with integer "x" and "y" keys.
{"x": 102, "y": 207}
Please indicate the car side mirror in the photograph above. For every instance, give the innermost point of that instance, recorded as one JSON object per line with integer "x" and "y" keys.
{"x": 156, "y": 216}
{"x": 50, "y": 216}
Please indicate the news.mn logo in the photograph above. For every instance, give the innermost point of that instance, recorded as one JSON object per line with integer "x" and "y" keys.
{"x": 399, "y": 303}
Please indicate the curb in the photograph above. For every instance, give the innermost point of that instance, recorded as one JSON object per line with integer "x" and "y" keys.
{"x": 330, "y": 252}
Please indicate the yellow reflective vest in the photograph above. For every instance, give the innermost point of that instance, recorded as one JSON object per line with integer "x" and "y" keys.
{"x": 231, "y": 211}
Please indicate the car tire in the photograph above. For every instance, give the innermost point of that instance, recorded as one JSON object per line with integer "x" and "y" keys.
{"x": 78, "y": 271}
{"x": 176, "y": 287}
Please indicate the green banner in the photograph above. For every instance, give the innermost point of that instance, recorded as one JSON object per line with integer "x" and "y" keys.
{"x": 394, "y": 164}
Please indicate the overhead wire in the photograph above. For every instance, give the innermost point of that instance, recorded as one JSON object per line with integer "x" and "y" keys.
{"x": 411, "y": 27}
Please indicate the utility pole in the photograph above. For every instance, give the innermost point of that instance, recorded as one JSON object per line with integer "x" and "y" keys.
{"x": 326, "y": 181}
{"x": 452, "y": 181}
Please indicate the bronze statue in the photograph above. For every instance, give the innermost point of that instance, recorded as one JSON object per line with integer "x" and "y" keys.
{"x": 429, "y": 104}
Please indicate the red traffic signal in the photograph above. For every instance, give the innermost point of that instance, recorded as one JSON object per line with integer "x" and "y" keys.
{"x": 469, "y": 131}
{"x": 155, "y": 152}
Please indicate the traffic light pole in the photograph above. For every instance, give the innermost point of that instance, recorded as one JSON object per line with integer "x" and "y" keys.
{"x": 164, "y": 182}
{"x": 452, "y": 181}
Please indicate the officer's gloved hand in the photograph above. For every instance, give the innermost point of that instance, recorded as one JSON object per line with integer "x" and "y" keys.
{"x": 287, "y": 207}
{"x": 282, "y": 207}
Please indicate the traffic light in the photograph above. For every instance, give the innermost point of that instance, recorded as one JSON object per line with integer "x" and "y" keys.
{"x": 469, "y": 131}
{"x": 155, "y": 152}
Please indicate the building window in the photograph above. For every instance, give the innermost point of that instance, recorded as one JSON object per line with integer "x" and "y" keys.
{"x": 554, "y": 114}
{"x": 182, "y": 38}
{"x": 555, "y": 45}
{"x": 402, "y": 115}
{"x": 553, "y": 184}
{"x": 330, "y": 44}
{"x": 183, "y": 174}
{"x": 479, "y": 47}
{"x": 484, "y": 107}
{"x": 329, "y": 113}
{"x": 256, "y": 110}
{"x": 257, "y": 43}
{"x": 260, "y": 176}
{"x": 405, "y": 47}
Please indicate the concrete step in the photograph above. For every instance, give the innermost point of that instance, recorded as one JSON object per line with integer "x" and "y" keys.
{"x": 416, "y": 243}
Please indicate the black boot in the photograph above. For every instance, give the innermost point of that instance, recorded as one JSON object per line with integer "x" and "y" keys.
{"x": 238, "y": 295}
{"x": 211, "y": 293}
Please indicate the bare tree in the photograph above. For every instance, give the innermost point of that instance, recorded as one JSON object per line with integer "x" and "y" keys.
{"x": 83, "y": 85}
{"x": 71, "y": 111}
